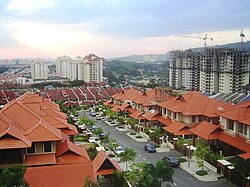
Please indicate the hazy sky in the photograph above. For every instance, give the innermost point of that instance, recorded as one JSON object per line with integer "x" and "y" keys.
{"x": 109, "y": 28}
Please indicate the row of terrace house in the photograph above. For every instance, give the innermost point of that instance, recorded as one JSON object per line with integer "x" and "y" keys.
{"x": 81, "y": 95}
{"x": 226, "y": 127}
{"x": 35, "y": 133}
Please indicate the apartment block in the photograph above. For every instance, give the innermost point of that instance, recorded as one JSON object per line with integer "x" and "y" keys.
{"x": 66, "y": 67}
{"x": 39, "y": 69}
{"x": 89, "y": 68}
{"x": 212, "y": 70}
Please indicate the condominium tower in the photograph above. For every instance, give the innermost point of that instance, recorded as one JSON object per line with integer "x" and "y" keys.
{"x": 89, "y": 68}
{"x": 212, "y": 70}
{"x": 39, "y": 69}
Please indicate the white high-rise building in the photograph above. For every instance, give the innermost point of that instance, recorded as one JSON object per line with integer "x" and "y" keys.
{"x": 94, "y": 67}
{"x": 66, "y": 67}
{"x": 39, "y": 69}
{"x": 89, "y": 68}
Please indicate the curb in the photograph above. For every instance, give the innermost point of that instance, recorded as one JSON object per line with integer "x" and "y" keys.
{"x": 205, "y": 179}
{"x": 136, "y": 139}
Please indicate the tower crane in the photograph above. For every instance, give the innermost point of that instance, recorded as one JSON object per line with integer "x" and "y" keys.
{"x": 205, "y": 38}
{"x": 242, "y": 35}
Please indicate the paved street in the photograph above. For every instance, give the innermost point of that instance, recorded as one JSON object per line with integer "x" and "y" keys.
{"x": 181, "y": 177}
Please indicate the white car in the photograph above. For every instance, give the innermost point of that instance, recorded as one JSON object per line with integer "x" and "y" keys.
{"x": 93, "y": 140}
{"x": 119, "y": 150}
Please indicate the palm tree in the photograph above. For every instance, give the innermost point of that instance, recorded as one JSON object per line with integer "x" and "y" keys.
{"x": 128, "y": 155}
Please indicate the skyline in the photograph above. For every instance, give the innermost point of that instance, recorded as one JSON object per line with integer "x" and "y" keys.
{"x": 51, "y": 28}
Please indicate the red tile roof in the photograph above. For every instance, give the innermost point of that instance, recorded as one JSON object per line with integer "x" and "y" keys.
{"x": 67, "y": 146}
{"x": 110, "y": 167}
{"x": 245, "y": 156}
{"x": 40, "y": 159}
{"x": 116, "y": 108}
{"x": 137, "y": 114}
{"x": 151, "y": 115}
{"x": 207, "y": 131}
{"x": 165, "y": 120}
{"x": 239, "y": 112}
{"x": 194, "y": 103}
{"x": 60, "y": 175}
{"x": 177, "y": 128}
{"x": 124, "y": 106}
{"x": 42, "y": 131}
{"x": 235, "y": 141}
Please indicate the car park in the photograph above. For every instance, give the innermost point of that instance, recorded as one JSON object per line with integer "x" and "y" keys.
{"x": 119, "y": 150}
{"x": 172, "y": 160}
{"x": 150, "y": 148}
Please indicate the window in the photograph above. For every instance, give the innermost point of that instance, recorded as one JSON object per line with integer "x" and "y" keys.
{"x": 47, "y": 147}
{"x": 230, "y": 124}
{"x": 32, "y": 149}
{"x": 175, "y": 116}
{"x": 41, "y": 147}
{"x": 242, "y": 128}
{"x": 193, "y": 118}
{"x": 200, "y": 118}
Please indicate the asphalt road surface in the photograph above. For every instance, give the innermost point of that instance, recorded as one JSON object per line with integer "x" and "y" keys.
{"x": 181, "y": 177}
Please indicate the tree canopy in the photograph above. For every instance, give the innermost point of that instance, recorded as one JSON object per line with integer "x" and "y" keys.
{"x": 13, "y": 176}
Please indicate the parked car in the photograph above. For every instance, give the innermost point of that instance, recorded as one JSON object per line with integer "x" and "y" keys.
{"x": 93, "y": 140}
{"x": 119, "y": 150}
{"x": 150, "y": 148}
{"x": 103, "y": 135}
{"x": 93, "y": 128}
{"x": 172, "y": 160}
{"x": 98, "y": 117}
{"x": 93, "y": 114}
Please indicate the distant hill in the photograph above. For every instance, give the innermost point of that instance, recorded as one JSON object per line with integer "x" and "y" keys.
{"x": 166, "y": 57}
{"x": 143, "y": 58}
{"x": 236, "y": 45}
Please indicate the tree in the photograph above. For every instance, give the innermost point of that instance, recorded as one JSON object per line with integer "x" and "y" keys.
{"x": 111, "y": 114}
{"x": 243, "y": 166}
{"x": 180, "y": 142}
{"x": 128, "y": 155}
{"x": 98, "y": 131}
{"x": 121, "y": 120}
{"x": 13, "y": 176}
{"x": 132, "y": 122}
{"x": 105, "y": 139}
{"x": 200, "y": 154}
{"x": 118, "y": 180}
{"x": 112, "y": 145}
{"x": 89, "y": 183}
{"x": 148, "y": 175}
{"x": 86, "y": 121}
{"x": 164, "y": 172}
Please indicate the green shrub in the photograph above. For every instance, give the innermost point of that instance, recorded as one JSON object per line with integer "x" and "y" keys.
{"x": 201, "y": 172}
{"x": 81, "y": 138}
{"x": 111, "y": 155}
{"x": 139, "y": 136}
{"x": 181, "y": 159}
{"x": 132, "y": 133}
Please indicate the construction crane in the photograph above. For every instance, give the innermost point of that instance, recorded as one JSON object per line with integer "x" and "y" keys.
{"x": 205, "y": 38}
{"x": 242, "y": 35}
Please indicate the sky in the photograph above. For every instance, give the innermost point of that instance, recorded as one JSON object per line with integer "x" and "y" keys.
{"x": 113, "y": 28}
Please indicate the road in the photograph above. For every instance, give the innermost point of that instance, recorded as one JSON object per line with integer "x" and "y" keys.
{"x": 181, "y": 177}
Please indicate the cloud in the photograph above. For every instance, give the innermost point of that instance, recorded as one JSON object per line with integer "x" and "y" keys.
{"x": 28, "y": 6}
